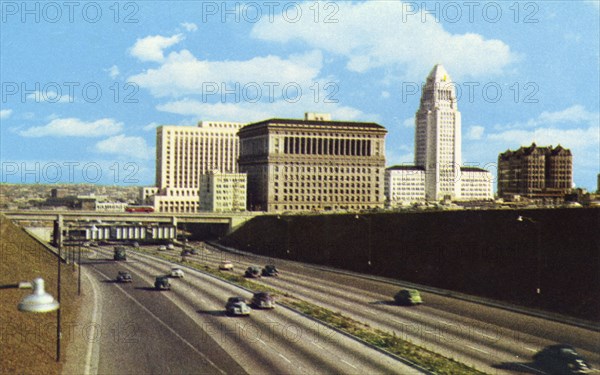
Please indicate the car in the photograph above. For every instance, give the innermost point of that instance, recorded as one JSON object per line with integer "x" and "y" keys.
{"x": 561, "y": 359}
{"x": 177, "y": 272}
{"x": 120, "y": 253}
{"x": 270, "y": 270}
{"x": 162, "y": 248}
{"x": 162, "y": 283}
{"x": 262, "y": 300}
{"x": 170, "y": 247}
{"x": 193, "y": 251}
{"x": 93, "y": 244}
{"x": 237, "y": 306}
{"x": 124, "y": 277}
{"x": 135, "y": 244}
{"x": 252, "y": 271}
{"x": 226, "y": 265}
{"x": 408, "y": 297}
{"x": 87, "y": 244}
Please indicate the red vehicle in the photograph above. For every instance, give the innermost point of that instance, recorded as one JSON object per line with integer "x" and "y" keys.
{"x": 139, "y": 209}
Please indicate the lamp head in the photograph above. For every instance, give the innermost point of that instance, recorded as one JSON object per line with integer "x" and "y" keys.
{"x": 39, "y": 301}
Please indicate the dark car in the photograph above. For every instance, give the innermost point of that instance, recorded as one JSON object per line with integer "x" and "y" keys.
{"x": 237, "y": 306}
{"x": 561, "y": 359}
{"x": 162, "y": 283}
{"x": 270, "y": 270}
{"x": 120, "y": 253}
{"x": 408, "y": 297}
{"x": 262, "y": 300}
{"x": 124, "y": 277}
{"x": 252, "y": 271}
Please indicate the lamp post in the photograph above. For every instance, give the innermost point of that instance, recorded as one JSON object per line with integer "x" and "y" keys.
{"x": 538, "y": 286}
{"x": 58, "y": 287}
{"x": 368, "y": 220}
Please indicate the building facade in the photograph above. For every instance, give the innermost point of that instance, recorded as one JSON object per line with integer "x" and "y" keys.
{"x": 313, "y": 164}
{"x": 535, "y": 172}
{"x": 183, "y": 155}
{"x": 438, "y": 136}
{"x": 404, "y": 184}
{"x": 223, "y": 192}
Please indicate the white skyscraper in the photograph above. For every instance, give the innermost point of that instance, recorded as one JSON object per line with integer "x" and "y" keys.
{"x": 437, "y": 136}
{"x": 437, "y": 172}
{"x": 183, "y": 155}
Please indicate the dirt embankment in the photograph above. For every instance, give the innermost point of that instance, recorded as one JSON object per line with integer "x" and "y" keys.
{"x": 27, "y": 340}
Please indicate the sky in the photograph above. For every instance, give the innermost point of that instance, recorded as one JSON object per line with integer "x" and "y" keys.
{"x": 85, "y": 84}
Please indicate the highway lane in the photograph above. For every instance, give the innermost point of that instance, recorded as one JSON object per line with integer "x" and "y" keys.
{"x": 143, "y": 333}
{"x": 278, "y": 341}
{"x": 479, "y": 335}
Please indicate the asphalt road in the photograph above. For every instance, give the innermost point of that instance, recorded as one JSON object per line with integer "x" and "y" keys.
{"x": 185, "y": 330}
{"x": 491, "y": 339}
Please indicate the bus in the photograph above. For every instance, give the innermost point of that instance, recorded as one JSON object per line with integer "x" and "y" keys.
{"x": 139, "y": 209}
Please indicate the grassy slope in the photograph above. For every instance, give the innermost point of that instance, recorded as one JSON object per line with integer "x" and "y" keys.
{"x": 28, "y": 341}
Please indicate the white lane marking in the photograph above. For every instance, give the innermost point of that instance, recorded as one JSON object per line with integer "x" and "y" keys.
{"x": 349, "y": 364}
{"x": 479, "y": 350}
{"x": 530, "y": 349}
{"x": 284, "y": 357}
{"x": 264, "y": 343}
{"x": 317, "y": 345}
{"x": 96, "y": 316}
{"x": 397, "y": 321}
{"x": 531, "y": 368}
{"x": 165, "y": 325}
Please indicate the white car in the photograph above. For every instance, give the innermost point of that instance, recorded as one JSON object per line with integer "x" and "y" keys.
{"x": 177, "y": 272}
{"x": 162, "y": 248}
{"x": 226, "y": 266}
{"x": 171, "y": 246}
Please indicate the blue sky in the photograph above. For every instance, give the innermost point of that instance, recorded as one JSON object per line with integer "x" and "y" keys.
{"x": 84, "y": 84}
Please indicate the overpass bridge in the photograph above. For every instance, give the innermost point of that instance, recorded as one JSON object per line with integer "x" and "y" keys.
{"x": 124, "y": 225}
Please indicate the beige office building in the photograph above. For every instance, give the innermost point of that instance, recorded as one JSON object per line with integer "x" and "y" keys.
{"x": 183, "y": 155}
{"x": 223, "y": 192}
{"x": 313, "y": 164}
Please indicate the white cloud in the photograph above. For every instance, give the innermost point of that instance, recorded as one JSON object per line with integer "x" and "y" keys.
{"x": 151, "y": 126}
{"x": 576, "y": 114}
{"x": 385, "y": 94}
{"x": 570, "y": 138}
{"x": 74, "y": 127}
{"x": 382, "y": 40}
{"x": 113, "y": 71}
{"x": 135, "y": 147}
{"x": 594, "y": 3}
{"x": 49, "y": 96}
{"x": 189, "y": 26}
{"x": 475, "y": 132}
{"x": 409, "y": 122}
{"x": 249, "y": 112}
{"x": 183, "y": 74}
{"x": 151, "y": 48}
{"x": 5, "y": 113}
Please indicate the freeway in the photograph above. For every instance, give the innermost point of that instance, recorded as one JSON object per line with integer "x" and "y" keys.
{"x": 491, "y": 339}
{"x": 185, "y": 330}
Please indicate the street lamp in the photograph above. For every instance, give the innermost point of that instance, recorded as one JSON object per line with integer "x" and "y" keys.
{"x": 38, "y": 301}
{"x": 538, "y": 287}
{"x": 368, "y": 219}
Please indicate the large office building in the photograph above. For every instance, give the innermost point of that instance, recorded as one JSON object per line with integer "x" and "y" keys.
{"x": 313, "y": 164}
{"x": 183, "y": 155}
{"x": 223, "y": 192}
{"x": 535, "y": 172}
{"x": 437, "y": 152}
